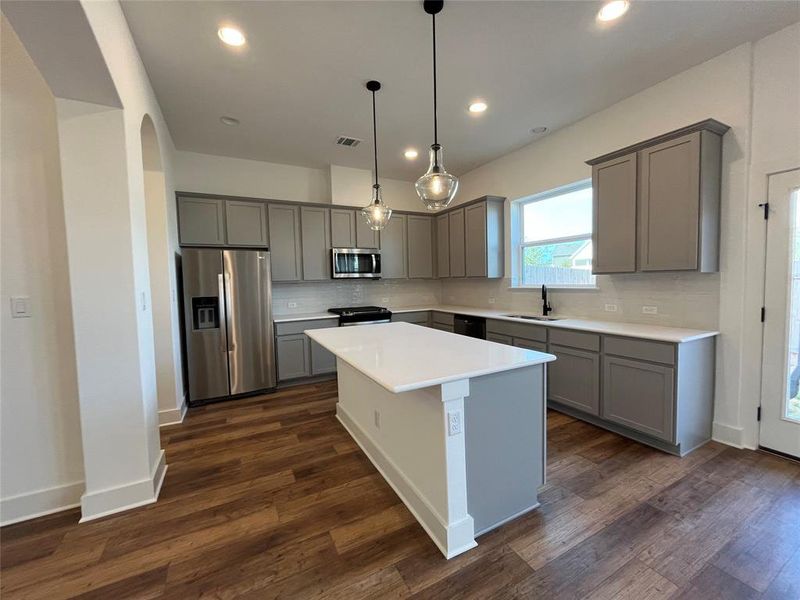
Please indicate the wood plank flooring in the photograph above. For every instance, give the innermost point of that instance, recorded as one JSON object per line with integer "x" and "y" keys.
{"x": 270, "y": 498}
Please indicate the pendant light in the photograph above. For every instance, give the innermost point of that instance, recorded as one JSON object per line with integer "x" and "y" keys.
{"x": 377, "y": 214}
{"x": 437, "y": 187}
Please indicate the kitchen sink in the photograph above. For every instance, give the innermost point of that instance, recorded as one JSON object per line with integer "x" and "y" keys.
{"x": 532, "y": 318}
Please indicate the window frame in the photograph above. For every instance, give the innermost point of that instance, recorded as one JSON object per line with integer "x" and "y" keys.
{"x": 518, "y": 235}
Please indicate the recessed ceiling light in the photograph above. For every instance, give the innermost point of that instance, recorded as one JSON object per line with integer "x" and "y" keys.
{"x": 539, "y": 130}
{"x": 613, "y": 10}
{"x": 410, "y": 154}
{"x": 230, "y": 121}
{"x": 231, "y": 36}
{"x": 477, "y": 107}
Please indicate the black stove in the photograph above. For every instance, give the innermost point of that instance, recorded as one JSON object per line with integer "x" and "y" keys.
{"x": 361, "y": 315}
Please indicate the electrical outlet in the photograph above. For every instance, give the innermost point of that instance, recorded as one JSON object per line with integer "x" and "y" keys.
{"x": 144, "y": 301}
{"x": 384, "y": 300}
{"x": 377, "y": 419}
{"x": 20, "y": 307}
{"x": 292, "y": 304}
{"x": 650, "y": 310}
{"x": 454, "y": 423}
{"x": 611, "y": 308}
{"x": 491, "y": 300}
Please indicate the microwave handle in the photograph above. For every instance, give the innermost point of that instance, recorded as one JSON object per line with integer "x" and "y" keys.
{"x": 374, "y": 262}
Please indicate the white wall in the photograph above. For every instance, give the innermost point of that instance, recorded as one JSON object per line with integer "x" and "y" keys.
{"x": 40, "y": 441}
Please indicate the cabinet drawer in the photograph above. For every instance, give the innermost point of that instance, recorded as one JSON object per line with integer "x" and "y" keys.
{"x": 442, "y": 327}
{"x": 521, "y": 330}
{"x": 420, "y": 318}
{"x": 293, "y": 327}
{"x": 641, "y": 349}
{"x": 530, "y": 345}
{"x": 499, "y": 338}
{"x": 443, "y": 318}
{"x": 575, "y": 339}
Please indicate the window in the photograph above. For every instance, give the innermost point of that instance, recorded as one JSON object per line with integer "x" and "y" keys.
{"x": 553, "y": 238}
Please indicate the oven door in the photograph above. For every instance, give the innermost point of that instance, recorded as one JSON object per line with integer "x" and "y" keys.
{"x": 355, "y": 262}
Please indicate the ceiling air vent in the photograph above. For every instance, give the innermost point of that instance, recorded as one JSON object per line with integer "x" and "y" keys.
{"x": 350, "y": 142}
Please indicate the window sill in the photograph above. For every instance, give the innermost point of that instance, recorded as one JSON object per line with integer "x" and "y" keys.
{"x": 538, "y": 288}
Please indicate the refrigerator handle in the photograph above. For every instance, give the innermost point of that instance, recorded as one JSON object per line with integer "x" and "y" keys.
{"x": 223, "y": 305}
{"x": 228, "y": 314}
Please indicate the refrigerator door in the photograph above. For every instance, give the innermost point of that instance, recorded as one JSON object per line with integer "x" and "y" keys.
{"x": 248, "y": 306}
{"x": 206, "y": 336}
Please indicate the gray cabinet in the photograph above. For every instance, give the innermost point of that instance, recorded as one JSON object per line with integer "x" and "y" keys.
{"x": 639, "y": 395}
{"x": 420, "y": 246}
{"x": 201, "y": 221}
{"x": 457, "y": 257}
{"x": 614, "y": 214}
{"x": 316, "y": 243}
{"x": 443, "y": 246}
{"x": 574, "y": 378}
{"x": 422, "y": 317}
{"x": 394, "y": 247}
{"x": 499, "y": 338}
{"x": 530, "y": 344}
{"x": 322, "y": 361}
{"x": 483, "y": 238}
{"x": 676, "y": 206}
{"x": 293, "y": 356}
{"x": 366, "y": 237}
{"x": 343, "y": 228}
{"x": 285, "y": 242}
{"x": 246, "y": 223}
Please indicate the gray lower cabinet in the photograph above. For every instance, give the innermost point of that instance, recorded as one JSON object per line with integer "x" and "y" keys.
{"x": 201, "y": 221}
{"x": 343, "y": 228}
{"x": 529, "y": 344}
{"x": 443, "y": 246}
{"x": 394, "y": 248}
{"x": 285, "y": 246}
{"x": 422, "y": 317}
{"x": 366, "y": 237}
{"x": 639, "y": 395}
{"x": 420, "y": 247}
{"x": 574, "y": 378}
{"x": 246, "y": 223}
{"x": 322, "y": 361}
{"x": 316, "y": 243}
{"x": 614, "y": 213}
{"x": 293, "y": 356}
{"x": 499, "y": 338}
{"x": 458, "y": 266}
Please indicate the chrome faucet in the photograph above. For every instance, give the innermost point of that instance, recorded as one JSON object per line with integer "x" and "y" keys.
{"x": 546, "y": 308}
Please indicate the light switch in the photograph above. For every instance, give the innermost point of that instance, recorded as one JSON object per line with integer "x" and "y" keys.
{"x": 20, "y": 307}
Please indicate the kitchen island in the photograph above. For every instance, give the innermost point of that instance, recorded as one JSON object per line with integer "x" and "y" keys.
{"x": 455, "y": 425}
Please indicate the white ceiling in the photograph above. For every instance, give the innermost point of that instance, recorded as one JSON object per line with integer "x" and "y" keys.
{"x": 298, "y": 83}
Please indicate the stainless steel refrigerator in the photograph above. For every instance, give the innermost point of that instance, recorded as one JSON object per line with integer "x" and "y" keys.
{"x": 230, "y": 347}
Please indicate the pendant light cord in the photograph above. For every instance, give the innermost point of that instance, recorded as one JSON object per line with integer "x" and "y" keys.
{"x": 435, "y": 116}
{"x": 375, "y": 137}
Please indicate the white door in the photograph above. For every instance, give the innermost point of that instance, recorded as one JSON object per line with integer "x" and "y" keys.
{"x": 780, "y": 383}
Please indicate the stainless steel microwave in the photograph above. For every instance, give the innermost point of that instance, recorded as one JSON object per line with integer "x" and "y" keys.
{"x": 355, "y": 262}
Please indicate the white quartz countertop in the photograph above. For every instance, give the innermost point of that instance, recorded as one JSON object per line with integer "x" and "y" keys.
{"x": 675, "y": 335}
{"x": 403, "y": 357}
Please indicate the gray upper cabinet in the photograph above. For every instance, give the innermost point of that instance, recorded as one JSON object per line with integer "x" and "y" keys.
{"x": 343, "y": 228}
{"x": 677, "y": 199}
{"x": 316, "y": 243}
{"x": 285, "y": 246}
{"x": 420, "y": 247}
{"x": 201, "y": 221}
{"x": 457, "y": 249}
{"x": 394, "y": 246}
{"x": 366, "y": 237}
{"x": 443, "y": 246}
{"x": 246, "y": 223}
{"x": 614, "y": 213}
{"x": 483, "y": 238}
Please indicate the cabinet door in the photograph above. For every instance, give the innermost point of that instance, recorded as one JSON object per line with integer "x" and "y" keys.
{"x": 285, "y": 239}
{"x": 574, "y": 379}
{"x": 420, "y": 247}
{"x": 393, "y": 248}
{"x": 457, "y": 259}
{"x": 443, "y": 246}
{"x": 343, "y": 228}
{"x": 639, "y": 395}
{"x": 322, "y": 360}
{"x": 293, "y": 356}
{"x": 499, "y": 338}
{"x": 246, "y": 223}
{"x": 316, "y": 243}
{"x": 201, "y": 221}
{"x": 669, "y": 205}
{"x": 442, "y": 327}
{"x": 614, "y": 212}
{"x": 475, "y": 240}
{"x": 366, "y": 237}
{"x": 530, "y": 344}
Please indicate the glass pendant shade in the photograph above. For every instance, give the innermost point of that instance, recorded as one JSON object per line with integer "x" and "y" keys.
{"x": 376, "y": 214}
{"x": 437, "y": 187}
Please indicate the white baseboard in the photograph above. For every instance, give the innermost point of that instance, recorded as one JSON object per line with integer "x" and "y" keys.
{"x": 40, "y": 502}
{"x": 125, "y": 497}
{"x": 172, "y": 416}
{"x": 728, "y": 434}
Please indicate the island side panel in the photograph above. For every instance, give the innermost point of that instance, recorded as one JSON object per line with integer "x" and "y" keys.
{"x": 408, "y": 444}
{"x": 504, "y": 422}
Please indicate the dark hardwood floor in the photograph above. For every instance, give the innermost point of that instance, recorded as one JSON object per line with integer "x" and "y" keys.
{"x": 270, "y": 498}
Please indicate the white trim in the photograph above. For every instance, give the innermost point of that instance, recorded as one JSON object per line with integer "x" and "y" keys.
{"x": 125, "y": 497}
{"x": 172, "y": 416}
{"x": 39, "y": 503}
{"x": 728, "y": 434}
